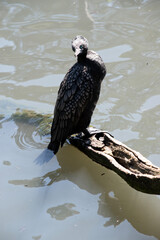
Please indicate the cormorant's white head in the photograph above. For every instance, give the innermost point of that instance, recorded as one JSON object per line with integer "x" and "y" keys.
{"x": 80, "y": 46}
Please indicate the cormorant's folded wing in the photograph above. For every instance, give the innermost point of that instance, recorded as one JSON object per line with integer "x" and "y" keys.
{"x": 74, "y": 93}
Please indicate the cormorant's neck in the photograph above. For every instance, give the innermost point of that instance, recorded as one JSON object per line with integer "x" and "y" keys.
{"x": 81, "y": 58}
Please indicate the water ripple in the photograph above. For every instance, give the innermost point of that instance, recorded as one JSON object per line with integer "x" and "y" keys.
{"x": 26, "y": 137}
{"x": 150, "y": 103}
{"x": 30, "y": 127}
{"x": 7, "y": 68}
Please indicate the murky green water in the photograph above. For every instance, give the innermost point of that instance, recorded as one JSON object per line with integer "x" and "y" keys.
{"x": 70, "y": 197}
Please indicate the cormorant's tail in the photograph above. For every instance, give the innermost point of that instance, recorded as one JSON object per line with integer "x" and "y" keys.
{"x": 54, "y": 146}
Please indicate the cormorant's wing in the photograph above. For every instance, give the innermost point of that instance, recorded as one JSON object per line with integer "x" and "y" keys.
{"x": 74, "y": 93}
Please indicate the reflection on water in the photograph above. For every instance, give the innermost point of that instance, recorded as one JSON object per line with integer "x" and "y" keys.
{"x": 36, "y": 237}
{"x": 46, "y": 180}
{"x": 117, "y": 201}
{"x": 7, "y": 68}
{"x": 115, "y": 54}
{"x": 7, "y": 163}
{"x": 35, "y": 51}
{"x": 63, "y": 211}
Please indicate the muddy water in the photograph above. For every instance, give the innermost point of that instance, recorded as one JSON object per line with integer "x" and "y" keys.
{"x": 68, "y": 196}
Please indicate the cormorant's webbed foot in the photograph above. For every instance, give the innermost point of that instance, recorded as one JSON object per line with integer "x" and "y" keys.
{"x": 88, "y": 132}
{"x": 84, "y": 135}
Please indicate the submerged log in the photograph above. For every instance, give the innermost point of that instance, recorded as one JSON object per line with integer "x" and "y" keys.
{"x": 129, "y": 164}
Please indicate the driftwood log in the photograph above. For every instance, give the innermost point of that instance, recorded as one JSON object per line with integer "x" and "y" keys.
{"x": 135, "y": 169}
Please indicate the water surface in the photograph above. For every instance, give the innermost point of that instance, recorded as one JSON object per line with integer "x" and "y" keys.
{"x": 68, "y": 196}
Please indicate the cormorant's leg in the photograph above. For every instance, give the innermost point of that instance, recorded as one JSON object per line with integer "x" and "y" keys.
{"x": 87, "y": 133}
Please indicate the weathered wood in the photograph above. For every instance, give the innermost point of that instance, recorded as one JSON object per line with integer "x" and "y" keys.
{"x": 135, "y": 169}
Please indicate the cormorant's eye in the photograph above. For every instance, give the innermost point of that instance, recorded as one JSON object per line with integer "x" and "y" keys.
{"x": 81, "y": 46}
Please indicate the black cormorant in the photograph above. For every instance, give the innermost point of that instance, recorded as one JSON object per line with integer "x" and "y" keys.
{"x": 77, "y": 95}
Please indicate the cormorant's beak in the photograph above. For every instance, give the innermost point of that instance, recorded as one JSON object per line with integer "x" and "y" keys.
{"x": 77, "y": 52}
